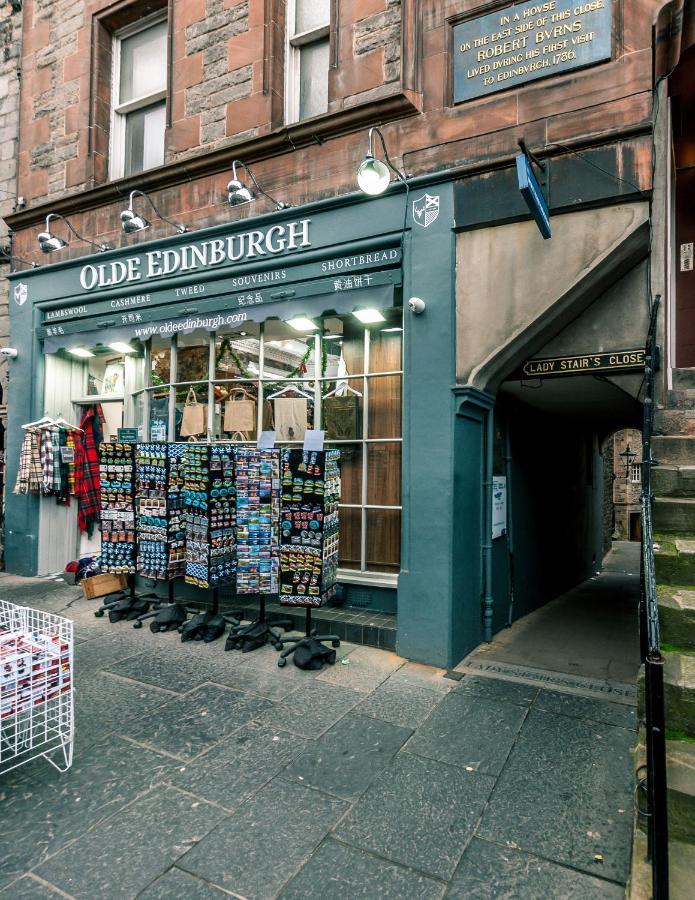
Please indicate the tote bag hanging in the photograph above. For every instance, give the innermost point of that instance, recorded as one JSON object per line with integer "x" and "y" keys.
{"x": 194, "y": 421}
{"x": 240, "y": 412}
{"x": 341, "y": 417}
{"x": 290, "y": 418}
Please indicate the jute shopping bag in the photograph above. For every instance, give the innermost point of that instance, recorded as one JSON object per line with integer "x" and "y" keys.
{"x": 290, "y": 418}
{"x": 194, "y": 421}
{"x": 240, "y": 412}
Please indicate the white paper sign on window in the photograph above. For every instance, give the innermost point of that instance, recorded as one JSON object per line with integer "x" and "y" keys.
{"x": 499, "y": 506}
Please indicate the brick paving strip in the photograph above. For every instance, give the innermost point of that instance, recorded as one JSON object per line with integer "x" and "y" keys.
{"x": 205, "y": 774}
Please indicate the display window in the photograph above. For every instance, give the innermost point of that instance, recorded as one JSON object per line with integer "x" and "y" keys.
{"x": 336, "y": 373}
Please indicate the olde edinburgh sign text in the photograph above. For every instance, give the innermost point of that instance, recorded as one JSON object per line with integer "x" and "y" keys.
{"x": 587, "y": 364}
{"x": 526, "y": 41}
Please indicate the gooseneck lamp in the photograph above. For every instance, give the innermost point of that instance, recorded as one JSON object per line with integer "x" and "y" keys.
{"x": 49, "y": 242}
{"x": 132, "y": 222}
{"x": 238, "y": 194}
{"x": 373, "y": 175}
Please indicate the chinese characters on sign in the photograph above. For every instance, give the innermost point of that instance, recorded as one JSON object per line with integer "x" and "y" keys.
{"x": 352, "y": 281}
{"x": 527, "y": 41}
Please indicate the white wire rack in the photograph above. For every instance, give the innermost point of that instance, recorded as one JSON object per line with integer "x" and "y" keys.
{"x": 36, "y": 701}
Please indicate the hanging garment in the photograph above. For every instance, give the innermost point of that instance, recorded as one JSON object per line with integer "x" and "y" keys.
{"x": 29, "y": 475}
{"x": 71, "y": 465}
{"x": 87, "y": 489}
{"x": 290, "y": 418}
{"x": 58, "y": 442}
{"x": 46, "y": 461}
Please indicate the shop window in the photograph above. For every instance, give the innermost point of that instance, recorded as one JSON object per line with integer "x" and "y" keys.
{"x": 342, "y": 376}
{"x": 138, "y": 93}
{"x": 307, "y": 55}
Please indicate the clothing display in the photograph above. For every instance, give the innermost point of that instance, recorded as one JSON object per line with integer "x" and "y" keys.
{"x": 309, "y": 526}
{"x": 209, "y": 501}
{"x": 87, "y": 468}
{"x": 257, "y": 520}
{"x": 116, "y": 476}
{"x": 159, "y": 483}
{"x": 47, "y": 460}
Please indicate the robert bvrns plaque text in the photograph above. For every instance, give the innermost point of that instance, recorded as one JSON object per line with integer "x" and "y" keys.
{"x": 527, "y": 41}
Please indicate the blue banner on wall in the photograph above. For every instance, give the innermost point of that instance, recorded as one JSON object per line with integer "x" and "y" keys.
{"x": 532, "y": 194}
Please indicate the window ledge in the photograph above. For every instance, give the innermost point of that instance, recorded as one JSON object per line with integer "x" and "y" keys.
{"x": 373, "y": 579}
{"x": 203, "y": 163}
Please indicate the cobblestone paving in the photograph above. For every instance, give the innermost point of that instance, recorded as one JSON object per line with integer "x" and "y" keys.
{"x": 205, "y": 774}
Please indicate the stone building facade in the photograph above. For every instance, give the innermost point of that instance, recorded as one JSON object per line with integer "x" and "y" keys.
{"x": 462, "y": 408}
{"x": 10, "y": 76}
{"x": 627, "y": 484}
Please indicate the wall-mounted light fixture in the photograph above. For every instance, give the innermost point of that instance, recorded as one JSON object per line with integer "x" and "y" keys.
{"x": 238, "y": 194}
{"x": 49, "y": 242}
{"x": 373, "y": 176}
{"x": 132, "y": 222}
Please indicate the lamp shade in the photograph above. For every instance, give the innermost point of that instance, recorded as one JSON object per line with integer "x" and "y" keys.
{"x": 373, "y": 176}
{"x": 238, "y": 193}
{"x": 49, "y": 242}
{"x": 130, "y": 222}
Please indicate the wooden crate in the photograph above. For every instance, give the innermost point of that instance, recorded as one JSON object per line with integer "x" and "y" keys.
{"x": 101, "y": 585}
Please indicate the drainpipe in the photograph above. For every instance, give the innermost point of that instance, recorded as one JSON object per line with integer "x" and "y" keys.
{"x": 510, "y": 519}
{"x": 486, "y": 545}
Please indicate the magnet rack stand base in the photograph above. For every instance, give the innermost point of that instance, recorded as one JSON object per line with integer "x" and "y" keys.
{"x": 310, "y": 635}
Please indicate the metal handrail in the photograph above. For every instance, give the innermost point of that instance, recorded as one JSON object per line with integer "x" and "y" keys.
{"x": 650, "y": 643}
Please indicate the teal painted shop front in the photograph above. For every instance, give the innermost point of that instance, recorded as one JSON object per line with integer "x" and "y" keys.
{"x": 412, "y": 481}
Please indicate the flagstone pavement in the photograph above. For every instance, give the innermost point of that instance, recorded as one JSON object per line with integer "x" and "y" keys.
{"x": 200, "y": 773}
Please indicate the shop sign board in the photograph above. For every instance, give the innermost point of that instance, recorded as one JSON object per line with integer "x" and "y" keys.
{"x": 128, "y": 435}
{"x": 527, "y": 41}
{"x": 339, "y": 274}
{"x": 615, "y": 361}
{"x": 533, "y": 195}
{"x": 499, "y": 506}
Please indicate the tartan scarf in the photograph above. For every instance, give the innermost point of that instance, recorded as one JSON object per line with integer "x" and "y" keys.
{"x": 72, "y": 435}
{"x": 87, "y": 485}
{"x": 47, "y": 460}
{"x": 29, "y": 474}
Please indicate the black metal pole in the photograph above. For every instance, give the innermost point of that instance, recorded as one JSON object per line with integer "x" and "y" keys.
{"x": 656, "y": 768}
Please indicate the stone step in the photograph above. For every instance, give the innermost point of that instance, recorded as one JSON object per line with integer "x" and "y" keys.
{"x": 673, "y": 450}
{"x": 677, "y": 616}
{"x": 674, "y": 561}
{"x": 673, "y": 481}
{"x": 679, "y": 691}
{"x": 675, "y": 421}
{"x": 681, "y": 865}
{"x": 673, "y": 515}
{"x": 683, "y": 379}
{"x": 680, "y": 778}
{"x": 680, "y": 400}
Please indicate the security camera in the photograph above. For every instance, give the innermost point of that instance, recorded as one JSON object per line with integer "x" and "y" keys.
{"x": 416, "y": 305}
{"x": 9, "y": 352}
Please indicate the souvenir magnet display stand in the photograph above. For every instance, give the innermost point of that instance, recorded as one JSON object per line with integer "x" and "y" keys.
{"x": 118, "y": 527}
{"x": 210, "y": 518}
{"x": 257, "y": 483}
{"x": 309, "y": 539}
{"x": 159, "y": 517}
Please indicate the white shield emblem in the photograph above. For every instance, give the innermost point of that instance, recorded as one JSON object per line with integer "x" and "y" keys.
{"x": 425, "y": 210}
{"x": 21, "y": 292}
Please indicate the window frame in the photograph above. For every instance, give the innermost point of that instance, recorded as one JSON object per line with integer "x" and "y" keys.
{"x": 120, "y": 111}
{"x": 635, "y": 474}
{"x": 293, "y": 47}
{"x": 315, "y": 383}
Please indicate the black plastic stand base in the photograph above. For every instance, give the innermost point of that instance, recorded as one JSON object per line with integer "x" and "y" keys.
{"x": 130, "y": 594}
{"x": 262, "y": 628}
{"x": 310, "y": 635}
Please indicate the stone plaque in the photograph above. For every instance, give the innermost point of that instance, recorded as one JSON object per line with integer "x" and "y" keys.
{"x": 527, "y": 41}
